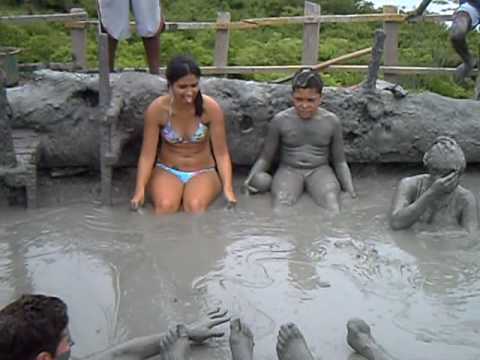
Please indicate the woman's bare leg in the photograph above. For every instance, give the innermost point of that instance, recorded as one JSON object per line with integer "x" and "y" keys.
{"x": 167, "y": 191}
{"x": 200, "y": 192}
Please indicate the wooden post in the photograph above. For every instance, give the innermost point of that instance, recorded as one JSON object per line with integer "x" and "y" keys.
{"x": 78, "y": 33}
{"x": 105, "y": 129}
{"x": 370, "y": 84}
{"x": 392, "y": 30}
{"x": 311, "y": 35}
{"x": 222, "y": 40}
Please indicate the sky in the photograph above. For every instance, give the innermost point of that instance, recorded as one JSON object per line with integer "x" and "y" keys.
{"x": 411, "y": 4}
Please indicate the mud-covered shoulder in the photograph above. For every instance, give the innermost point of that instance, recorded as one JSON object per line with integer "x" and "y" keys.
{"x": 283, "y": 116}
{"x": 325, "y": 115}
{"x": 465, "y": 195}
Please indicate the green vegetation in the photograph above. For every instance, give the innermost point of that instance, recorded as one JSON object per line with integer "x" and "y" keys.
{"x": 424, "y": 44}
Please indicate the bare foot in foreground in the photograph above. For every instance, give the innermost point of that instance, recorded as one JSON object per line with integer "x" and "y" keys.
{"x": 291, "y": 344}
{"x": 241, "y": 340}
{"x": 359, "y": 337}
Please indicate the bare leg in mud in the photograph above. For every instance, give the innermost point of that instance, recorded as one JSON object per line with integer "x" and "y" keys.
{"x": 291, "y": 344}
{"x": 359, "y": 337}
{"x": 241, "y": 341}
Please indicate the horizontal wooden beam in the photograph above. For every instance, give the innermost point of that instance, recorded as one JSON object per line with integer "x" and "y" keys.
{"x": 28, "y": 19}
{"x": 281, "y": 69}
{"x": 293, "y": 20}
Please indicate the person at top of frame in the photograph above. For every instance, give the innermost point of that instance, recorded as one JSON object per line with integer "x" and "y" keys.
{"x": 114, "y": 17}
{"x": 309, "y": 139}
{"x": 466, "y": 18}
{"x": 184, "y": 133}
{"x": 436, "y": 197}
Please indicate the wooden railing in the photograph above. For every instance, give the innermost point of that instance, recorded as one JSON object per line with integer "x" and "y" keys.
{"x": 77, "y": 22}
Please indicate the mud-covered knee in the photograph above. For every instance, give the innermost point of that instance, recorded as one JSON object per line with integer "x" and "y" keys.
{"x": 285, "y": 199}
{"x": 261, "y": 182}
{"x": 331, "y": 202}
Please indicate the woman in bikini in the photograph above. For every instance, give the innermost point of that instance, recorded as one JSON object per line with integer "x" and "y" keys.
{"x": 184, "y": 132}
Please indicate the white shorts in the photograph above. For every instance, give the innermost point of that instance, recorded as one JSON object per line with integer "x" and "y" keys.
{"x": 472, "y": 11}
{"x": 114, "y": 16}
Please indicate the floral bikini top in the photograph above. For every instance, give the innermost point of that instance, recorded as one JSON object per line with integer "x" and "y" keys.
{"x": 171, "y": 136}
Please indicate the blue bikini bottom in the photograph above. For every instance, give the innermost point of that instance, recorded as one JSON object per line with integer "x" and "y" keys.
{"x": 183, "y": 176}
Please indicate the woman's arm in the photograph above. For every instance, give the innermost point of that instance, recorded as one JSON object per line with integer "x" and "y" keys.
{"x": 148, "y": 153}
{"x": 218, "y": 139}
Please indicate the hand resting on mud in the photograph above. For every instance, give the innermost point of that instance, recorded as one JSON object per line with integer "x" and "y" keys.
{"x": 203, "y": 329}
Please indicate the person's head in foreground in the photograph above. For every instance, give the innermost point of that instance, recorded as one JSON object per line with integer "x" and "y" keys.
{"x": 444, "y": 157}
{"x": 183, "y": 76}
{"x": 35, "y": 327}
{"x": 307, "y": 86}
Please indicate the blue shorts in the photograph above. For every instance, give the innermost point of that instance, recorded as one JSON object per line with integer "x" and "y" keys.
{"x": 472, "y": 11}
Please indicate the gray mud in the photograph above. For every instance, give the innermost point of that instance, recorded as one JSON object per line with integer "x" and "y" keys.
{"x": 127, "y": 274}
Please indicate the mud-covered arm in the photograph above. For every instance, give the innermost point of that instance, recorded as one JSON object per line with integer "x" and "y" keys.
{"x": 220, "y": 148}
{"x": 148, "y": 346}
{"x": 469, "y": 218}
{"x": 148, "y": 153}
{"x": 338, "y": 159}
{"x": 270, "y": 146}
{"x": 405, "y": 211}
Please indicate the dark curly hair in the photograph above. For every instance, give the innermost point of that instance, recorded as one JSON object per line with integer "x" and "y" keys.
{"x": 31, "y": 325}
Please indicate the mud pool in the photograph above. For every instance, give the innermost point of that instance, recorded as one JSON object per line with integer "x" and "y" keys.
{"x": 126, "y": 274}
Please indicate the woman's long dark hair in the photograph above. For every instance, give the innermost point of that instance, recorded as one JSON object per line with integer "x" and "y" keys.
{"x": 181, "y": 66}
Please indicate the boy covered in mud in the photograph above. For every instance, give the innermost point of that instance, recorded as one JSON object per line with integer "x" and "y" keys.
{"x": 436, "y": 197}
{"x": 309, "y": 138}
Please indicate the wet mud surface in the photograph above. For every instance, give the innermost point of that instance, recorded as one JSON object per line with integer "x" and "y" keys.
{"x": 127, "y": 274}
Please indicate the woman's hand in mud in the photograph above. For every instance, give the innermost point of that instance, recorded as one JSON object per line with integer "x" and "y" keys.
{"x": 446, "y": 184}
{"x": 353, "y": 194}
{"x": 137, "y": 200}
{"x": 230, "y": 197}
{"x": 202, "y": 331}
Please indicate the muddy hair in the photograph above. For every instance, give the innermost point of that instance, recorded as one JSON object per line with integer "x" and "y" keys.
{"x": 307, "y": 78}
{"x": 444, "y": 155}
{"x": 181, "y": 66}
{"x": 31, "y": 325}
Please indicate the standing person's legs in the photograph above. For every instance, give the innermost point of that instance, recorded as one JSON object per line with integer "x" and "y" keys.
{"x": 287, "y": 186}
{"x": 114, "y": 16}
{"x": 465, "y": 19}
{"x": 149, "y": 25}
